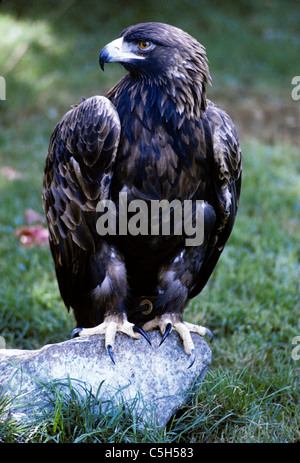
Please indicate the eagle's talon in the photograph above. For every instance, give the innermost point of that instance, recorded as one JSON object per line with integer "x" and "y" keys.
{"x": 138, "y": 329}
{"x": 109, "y": 327}
{"x": 75, "y": 333}
{"x": 167, "y": 332}
{"x": 193, "y": 358}
{"x": 211, "y": 336}
{"x": 111, "y": 353}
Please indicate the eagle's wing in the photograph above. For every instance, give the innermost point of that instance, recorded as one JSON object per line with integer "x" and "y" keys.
{"x": 187, "y": 273}
{"x": 77, "y": 175}
{"x": 226, "y": 170}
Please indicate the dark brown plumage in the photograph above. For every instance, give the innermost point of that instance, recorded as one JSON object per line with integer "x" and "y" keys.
{"x": 154, "y": 136}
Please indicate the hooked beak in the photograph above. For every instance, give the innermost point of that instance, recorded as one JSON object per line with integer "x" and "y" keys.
{"x": 118, "y": 51}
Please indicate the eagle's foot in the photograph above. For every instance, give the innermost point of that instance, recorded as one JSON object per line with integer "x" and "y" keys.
{"x": 110, "y": 326}
{"x": 167, "y": 322}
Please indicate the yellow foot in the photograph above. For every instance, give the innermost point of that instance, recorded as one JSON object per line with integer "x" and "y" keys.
{"x": 167, "y": 322}
{"x": 110, "y": 326}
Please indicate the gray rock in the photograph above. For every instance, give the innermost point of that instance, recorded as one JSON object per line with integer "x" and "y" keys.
{"x": 153, "y": 382}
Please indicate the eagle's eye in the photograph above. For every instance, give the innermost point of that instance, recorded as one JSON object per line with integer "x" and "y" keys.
{"x": 144, "y": 44}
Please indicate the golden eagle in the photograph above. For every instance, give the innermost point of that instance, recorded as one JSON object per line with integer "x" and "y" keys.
{"x": 154, "y": 136}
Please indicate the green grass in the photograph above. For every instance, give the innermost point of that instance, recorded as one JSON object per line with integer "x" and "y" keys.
{"x": 49, "y": 56}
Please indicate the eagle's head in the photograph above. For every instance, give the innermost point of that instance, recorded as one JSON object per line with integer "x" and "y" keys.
{"x": 162, "y": 53}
